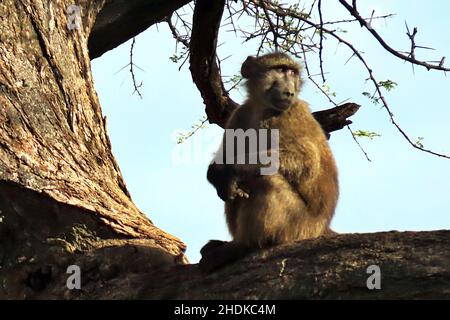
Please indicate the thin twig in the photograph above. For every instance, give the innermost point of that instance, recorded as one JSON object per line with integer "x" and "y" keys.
{"x": 176, "y": 35}
{"x": 319, "y": 8}
{"x": 271, "y": 25}
{"x": 359, "y": 145}
{"x": 132, "y": 65}
{"x": 410, "y": 58}
{"x": 276, "y": 9}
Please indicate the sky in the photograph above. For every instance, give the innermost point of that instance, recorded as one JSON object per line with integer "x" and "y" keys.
{"x": 400, "y": 189}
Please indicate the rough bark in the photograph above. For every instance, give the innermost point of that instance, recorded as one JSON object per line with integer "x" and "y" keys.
{"x": 414, "y": 265}
{"x": 336, "y": 118}
{"x": 203, "y": 66}
{"x": 54, "y": 149}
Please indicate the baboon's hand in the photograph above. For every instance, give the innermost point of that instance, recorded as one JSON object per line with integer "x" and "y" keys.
{"x": 235, "y": 191}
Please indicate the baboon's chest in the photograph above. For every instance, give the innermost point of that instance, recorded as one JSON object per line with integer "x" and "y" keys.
{"x": 288, "y": 124}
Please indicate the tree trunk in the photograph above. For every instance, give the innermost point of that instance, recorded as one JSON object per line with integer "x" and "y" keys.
{"x": 59, "y": 181}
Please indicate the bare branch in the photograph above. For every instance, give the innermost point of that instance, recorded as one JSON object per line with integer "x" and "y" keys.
{"x": 206, "y": 72}
{"x": 359, "y": 145}
{"x": 132, "y": 65}
{"x": 277, "y": 9}
{"x": 319, "y": 8}
{"x": 410, "y": 57}
{"x": 203, "y": 66}
{"x": 281, "y": 11}
{"x": 346, "y": 110}
{"x": 273, "y": 29}
{"x": 175, "y": 33}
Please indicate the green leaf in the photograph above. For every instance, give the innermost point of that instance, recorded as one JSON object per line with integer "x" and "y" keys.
{"x": 366, "y": 134}
{"x": 326, "y": 88}
{"x": 375, "y": 100}
{"x": 419, "y": 143}
{"x": 388, "y": 84}
{"x": 175, "y": 58}
{"x": 201, "y": 124}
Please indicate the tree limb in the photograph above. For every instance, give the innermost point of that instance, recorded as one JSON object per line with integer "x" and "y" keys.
{"x": 410, "y": 58}
{"x": 413, "y": 265}
{"x": 206, "y": 74}
{"x": 280, "y": 11}
{"x": 336, "y": 118}
{"x": 204, "y": 69}
{"x": 121, "y": 20}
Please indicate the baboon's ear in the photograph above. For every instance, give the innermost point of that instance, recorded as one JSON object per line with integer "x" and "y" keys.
{"x": 249, "y": 67}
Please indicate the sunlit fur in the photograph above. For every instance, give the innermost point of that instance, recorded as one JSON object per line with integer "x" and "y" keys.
{"x": 299, "y": 201}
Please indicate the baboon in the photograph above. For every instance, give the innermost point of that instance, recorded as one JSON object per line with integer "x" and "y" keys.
{"x": 297, "y": 201}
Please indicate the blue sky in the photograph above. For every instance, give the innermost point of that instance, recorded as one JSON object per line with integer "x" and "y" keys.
{"x": 401, "y": 189}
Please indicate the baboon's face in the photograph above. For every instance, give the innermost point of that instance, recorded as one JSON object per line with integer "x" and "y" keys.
{"x": 280, "y": 86}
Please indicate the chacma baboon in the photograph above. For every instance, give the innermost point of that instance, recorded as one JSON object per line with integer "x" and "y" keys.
{"x": 295, "y": 202}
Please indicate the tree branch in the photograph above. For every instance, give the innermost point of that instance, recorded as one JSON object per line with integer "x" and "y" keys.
{"x": 336, "y": 118}
{"x": 280, "y": 11}
{"x": 206, "y": 74}
{"x": 121, "y": 20}
{"x": 133, "y": 76}
{"x": 410, "y": 58}
{"x": 413, "y": 265}
{"x": 203, "y": 66}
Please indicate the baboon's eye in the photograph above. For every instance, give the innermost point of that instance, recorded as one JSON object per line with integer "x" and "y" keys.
{"x": 287, "y": 70}
{"x": 292, "y": 72}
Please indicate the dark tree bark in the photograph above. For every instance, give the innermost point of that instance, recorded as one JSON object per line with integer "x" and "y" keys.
{"x": 57, "y": 171}
{"x": 413, "y": 265}
{"x": 204, "y": 69}
{"x": 120, "y": 20}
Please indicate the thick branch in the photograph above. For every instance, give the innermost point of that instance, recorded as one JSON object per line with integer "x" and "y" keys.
{"x": 121, "y": 20}
{"x": 413, "y": 265}
{"x": 336, "y": 118}
{"x": 203, "y": 65}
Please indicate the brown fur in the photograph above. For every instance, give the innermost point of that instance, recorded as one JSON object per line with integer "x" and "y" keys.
{"x": 299, "y": 200}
